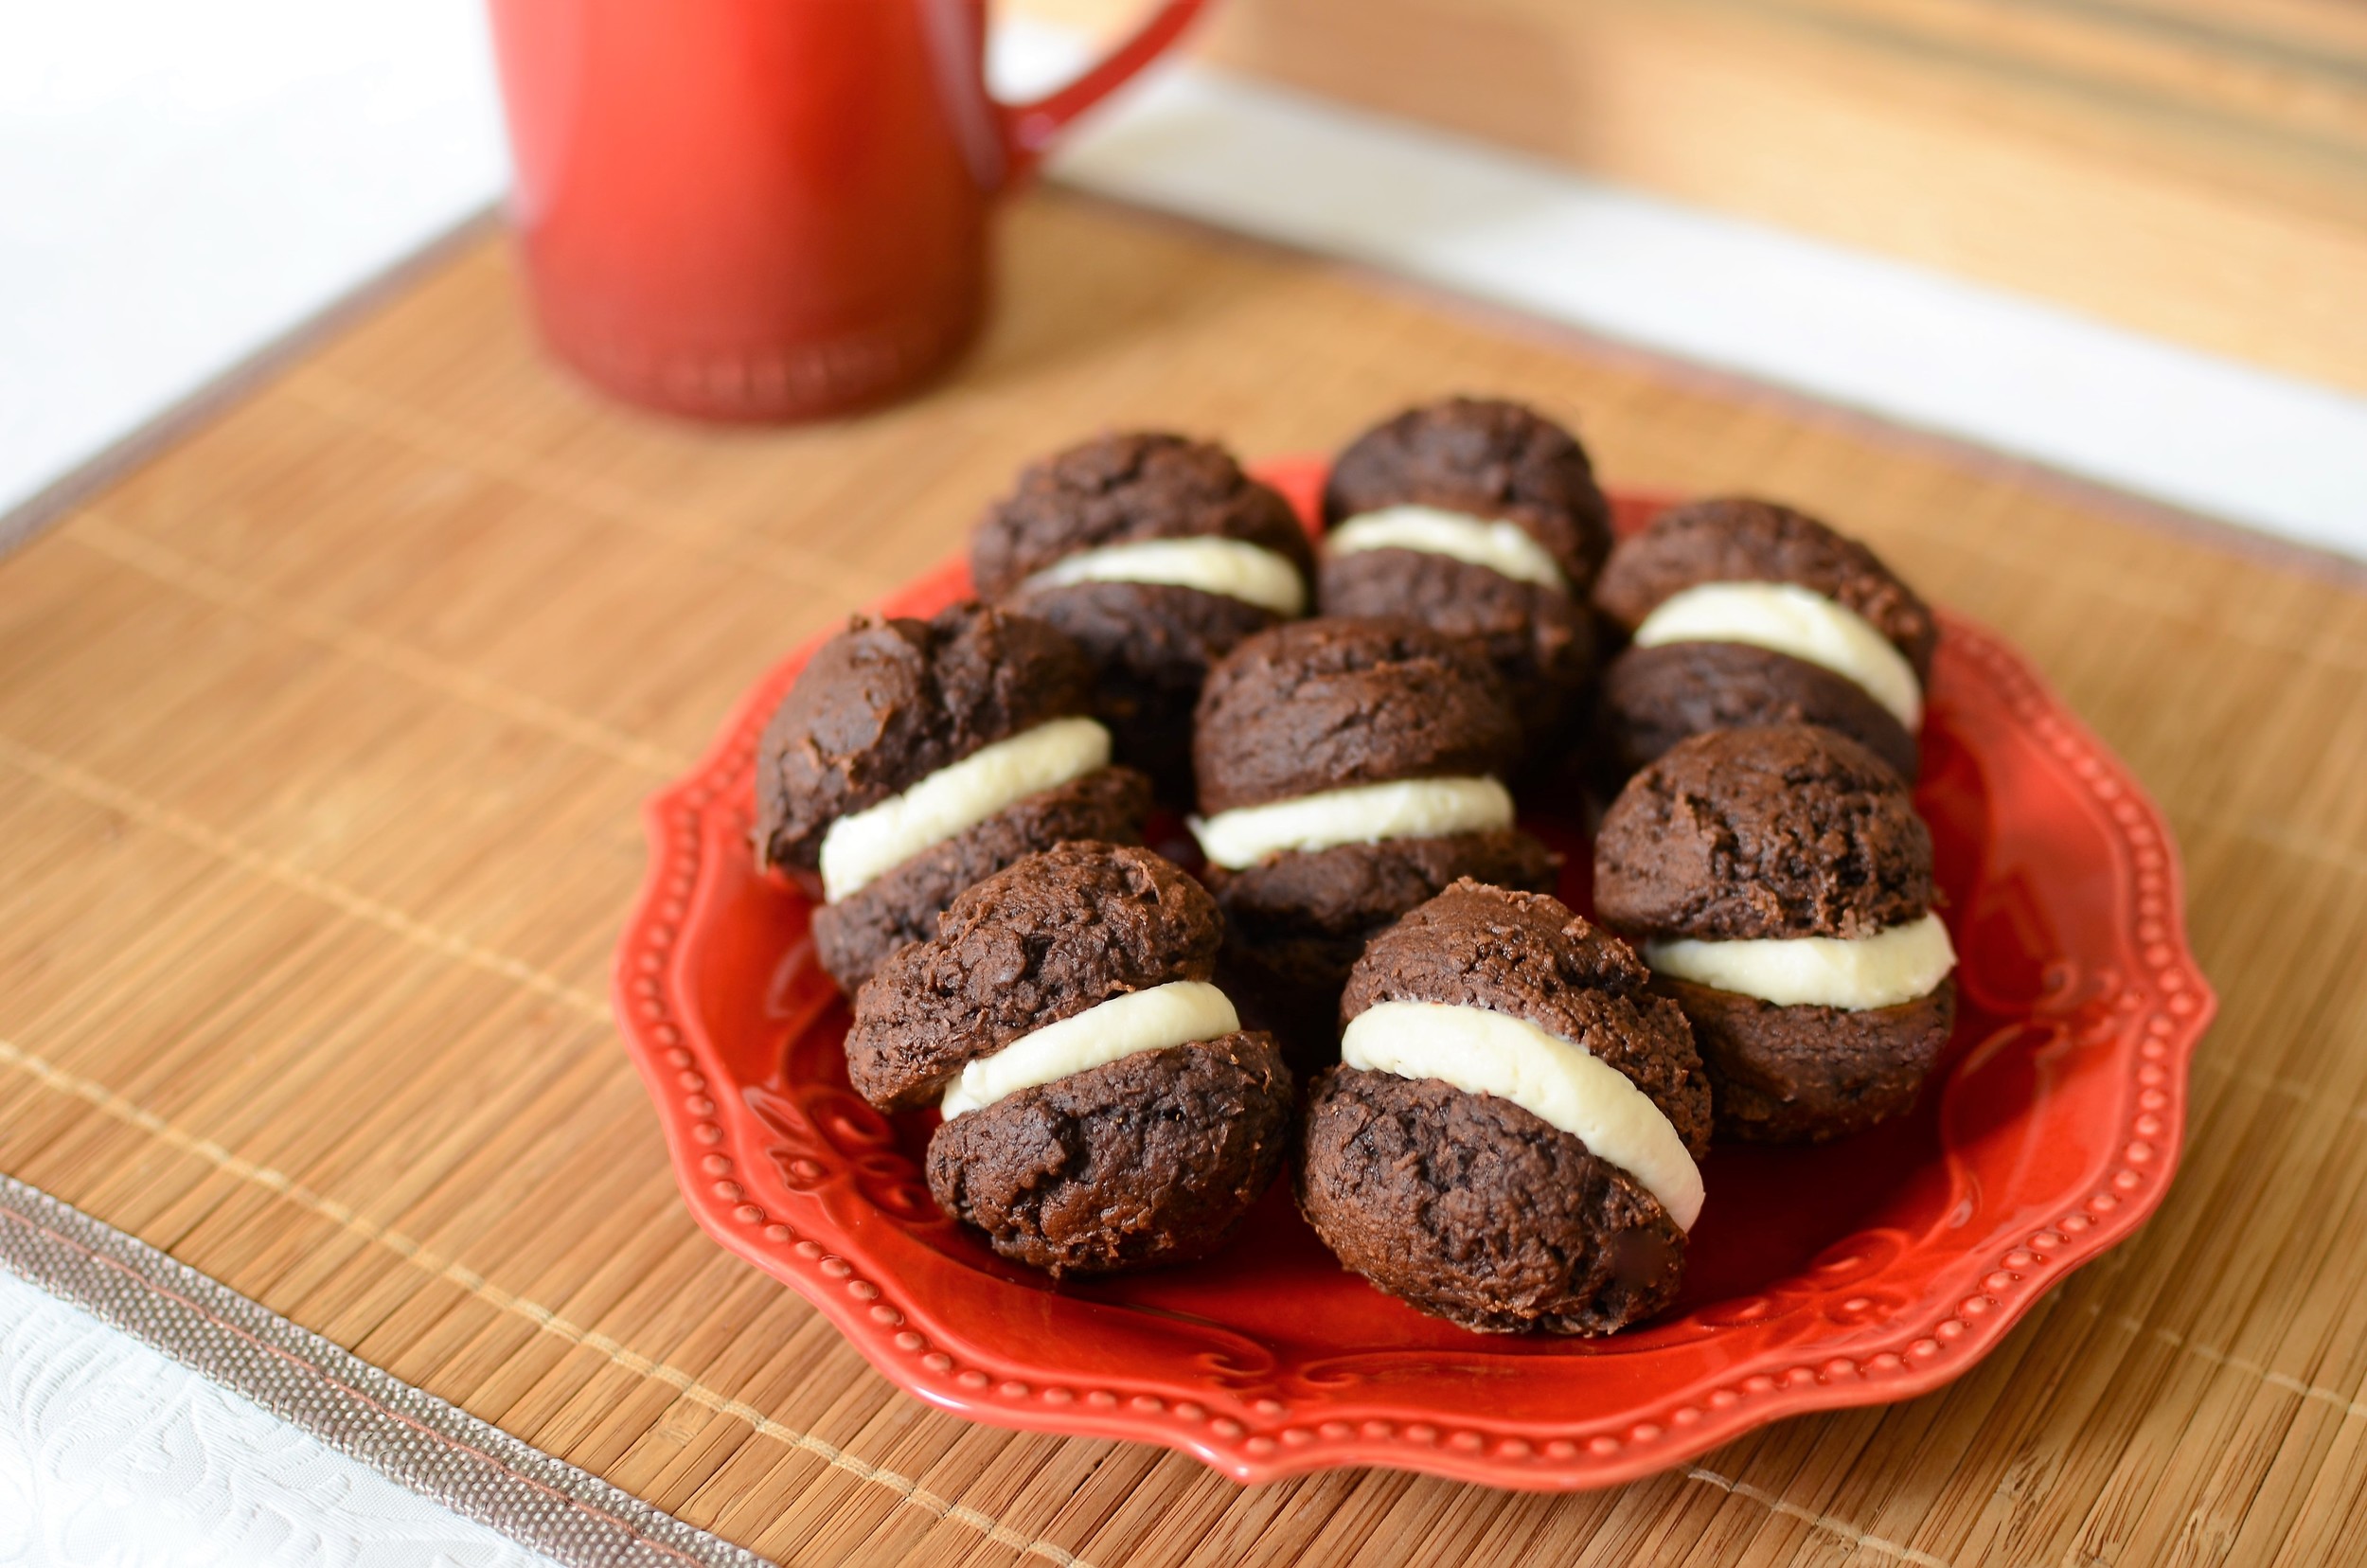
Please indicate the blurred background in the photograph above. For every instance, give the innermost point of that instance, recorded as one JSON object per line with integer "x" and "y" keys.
{"x": 2192, "y": 168}
{"x": 1973, "y": 186}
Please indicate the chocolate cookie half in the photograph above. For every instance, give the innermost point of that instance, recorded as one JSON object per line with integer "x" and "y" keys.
{"x": 1480, "y": 519}
{"x": 1779, "y": 882}
{"x": 914, "y": 758}
{"x": 1104, "y": 1110}
{"x": 1157, "y": 555}
{"x": 1740, "y": 612}
{"x": 1510, "y": 1140}
{"x": 1348, "y": 770}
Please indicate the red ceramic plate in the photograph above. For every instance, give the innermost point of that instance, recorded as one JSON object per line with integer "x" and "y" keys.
{"x": 1869, "y": 1271}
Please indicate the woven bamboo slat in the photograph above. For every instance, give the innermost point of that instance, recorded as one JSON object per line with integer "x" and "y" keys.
{"x": 321, "y": 739}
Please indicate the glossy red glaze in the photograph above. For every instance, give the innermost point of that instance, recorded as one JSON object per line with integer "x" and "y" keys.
{"x": 1868, "y": 1270}
{"x": 766, "y": 209}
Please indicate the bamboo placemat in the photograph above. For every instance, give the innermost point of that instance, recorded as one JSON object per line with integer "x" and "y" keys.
{"x": 321, "y": 741}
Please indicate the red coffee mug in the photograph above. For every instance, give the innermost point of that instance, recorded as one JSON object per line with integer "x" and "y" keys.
{"x": 767, "y": 209}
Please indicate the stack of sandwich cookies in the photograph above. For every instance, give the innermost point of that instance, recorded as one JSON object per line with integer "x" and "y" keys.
{"x": 914, "y": 758}
{"x": 1779, "y": 882}
{"x": 1510, "y": 1140}
{"x": 1348, "y": 770}
{"x": 1157, "y": 555}
{"x": 1480, "y": 520}
{"x": 1747, "y": 612}
{"x": 1103, "y": 1108}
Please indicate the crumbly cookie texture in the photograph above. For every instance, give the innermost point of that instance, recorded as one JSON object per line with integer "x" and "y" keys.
{"x": 1652, "y": 698}
{"x": 1738, "y": 540}
{"x": 1040, "y": 941}
{"x": 1526, "y": 955}
{"x": 1777, "y": 834}
{"x": 1321, "y": 705}
{"x": 1147, "y": 1160}
{"x": 1122, "y": 488}
{"x": 1483, "y": 457}
{"x": 1295, "y": 926}
{"x": 1079, "y": 1161}
{"x": 855, "y": 935}
{"x": 1474, "y": 1210}
{"x": 1150, "y": 629}
{"x": 1480, "y": 519}
{"x": 1540, "y": 640}
{"x": 885, "y": 703}
{"x": 1474, "y": 1207}
{"x": 1809, "y": 1075}
{"x": 1788, "y": 831}
{"x": 1152, "y": 645}
{"x": 1331, "y": 705}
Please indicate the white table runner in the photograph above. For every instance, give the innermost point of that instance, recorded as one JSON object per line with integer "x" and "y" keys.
{"x": 112, "y": 1454}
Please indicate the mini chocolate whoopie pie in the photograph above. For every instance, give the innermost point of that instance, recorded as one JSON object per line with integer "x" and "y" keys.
{"x": 1511, "y": 1139}
{"x": 1778, "y": 883}
{"x": 1740, "y": 611}
{"x": 1157, "y": 555}
{"x": 1104, "y": 1110}
{"x": 914, "y": 758}
{"x": 1348, "y": 770}
{"x": 1481, "y": 519}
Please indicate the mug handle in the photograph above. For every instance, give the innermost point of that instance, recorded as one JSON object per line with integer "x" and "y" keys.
{"x": 1029, "y": 128}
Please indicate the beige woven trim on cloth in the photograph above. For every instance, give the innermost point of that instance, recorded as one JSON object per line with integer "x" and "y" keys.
{"x": 405, "y": 1434}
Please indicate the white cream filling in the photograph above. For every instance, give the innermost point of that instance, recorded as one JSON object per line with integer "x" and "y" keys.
{"x": 1566, "y": 1085}
{"x": 1362, "y": 814}
{"x": 1173, "y": 1014}
{"x": 1232, "y": 567}
{"x": 1790, "y": 619}
{"x": 865, "y": 845}
{"x": 1882, "y": 970}
{"x": 1500, "y": 547}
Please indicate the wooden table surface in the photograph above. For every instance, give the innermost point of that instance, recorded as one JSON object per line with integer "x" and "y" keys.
{"x": 2195, "y": 169}
{"x": 321, "y": 742}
